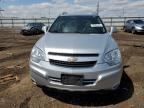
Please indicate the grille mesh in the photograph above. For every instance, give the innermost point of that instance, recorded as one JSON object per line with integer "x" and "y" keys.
{"x": 72, "y": 64}
{"x": 74, "y": 55}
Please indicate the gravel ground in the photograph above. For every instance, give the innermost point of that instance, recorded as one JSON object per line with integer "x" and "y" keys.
{"x": 14, "y": 55}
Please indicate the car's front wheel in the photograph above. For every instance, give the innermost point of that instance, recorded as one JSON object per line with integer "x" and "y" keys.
{"x": 125, "y": 30}
{"x": 133, "y": 31}
{"x": 34, "y": 31}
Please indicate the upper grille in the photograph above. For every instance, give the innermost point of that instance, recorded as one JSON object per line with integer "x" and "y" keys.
{"x": 75, "y": 55}
{"x": 72, "y": 64}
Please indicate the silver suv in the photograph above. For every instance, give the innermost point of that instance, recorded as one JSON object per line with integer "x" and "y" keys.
{"x": 77, "y": 54}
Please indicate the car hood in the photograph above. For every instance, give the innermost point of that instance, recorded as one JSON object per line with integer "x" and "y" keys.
{"x": 140, "y": 25}
{"x": 77, "y": 43}
{"x": 26, "y": 28}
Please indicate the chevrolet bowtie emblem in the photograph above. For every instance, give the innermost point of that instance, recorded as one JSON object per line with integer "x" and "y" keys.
{"x": 72, "y": 59}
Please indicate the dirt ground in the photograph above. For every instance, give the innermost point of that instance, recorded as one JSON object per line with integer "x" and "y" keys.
{"x": 19, "y": 92}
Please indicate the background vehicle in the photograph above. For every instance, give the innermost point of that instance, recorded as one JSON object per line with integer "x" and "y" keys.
{"x": 134, "y": 26}
{"x": 32, "y": 28}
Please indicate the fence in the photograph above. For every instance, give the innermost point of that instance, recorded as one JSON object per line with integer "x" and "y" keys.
{"x": 19, "y": 22}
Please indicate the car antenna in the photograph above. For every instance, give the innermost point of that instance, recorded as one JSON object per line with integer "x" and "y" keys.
{"x": 97, "y": 7}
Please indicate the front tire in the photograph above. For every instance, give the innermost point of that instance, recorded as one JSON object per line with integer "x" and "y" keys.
{"x": 125, "y": 30}
{"x": 133, "y": 31}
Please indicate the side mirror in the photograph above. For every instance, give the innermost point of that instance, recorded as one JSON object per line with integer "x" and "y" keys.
{"x": 113, "y": 30}
{"x": 45, "y": 29}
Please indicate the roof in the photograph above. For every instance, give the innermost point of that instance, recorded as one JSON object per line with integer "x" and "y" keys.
{"x": 79, "y": 14}
{"x": 134, "y": 20}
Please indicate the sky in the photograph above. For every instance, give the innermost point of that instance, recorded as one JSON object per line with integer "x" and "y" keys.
{"x": 53, "y": 8}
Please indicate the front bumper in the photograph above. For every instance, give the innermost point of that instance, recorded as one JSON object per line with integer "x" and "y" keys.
{"x": 23, "y": 31}
{"x": 139, "y": 30}
{"x": 106, "y": 77}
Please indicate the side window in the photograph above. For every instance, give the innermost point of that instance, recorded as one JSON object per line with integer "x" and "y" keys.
{"x": 131, "y": 22}
{"x": 128, "y": 22}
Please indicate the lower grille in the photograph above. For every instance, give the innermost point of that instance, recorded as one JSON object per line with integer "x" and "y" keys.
{"x": 85, "y": 82}
{"x": 72, "y": 64}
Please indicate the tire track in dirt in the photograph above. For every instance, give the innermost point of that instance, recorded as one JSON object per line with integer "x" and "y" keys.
{"x": 132, "y": 51}
{"x": 16, "y": 56}
{"x": 24, "y": 104}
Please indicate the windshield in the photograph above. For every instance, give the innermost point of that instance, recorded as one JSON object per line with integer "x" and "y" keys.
{"x": 30, "y": 24}
{"x": 138, "y": 21}
{"x": 35, "y": 24}
{"x": 78, "y": 24}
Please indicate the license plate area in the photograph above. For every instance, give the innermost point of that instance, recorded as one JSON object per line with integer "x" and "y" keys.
{"x": 72, "y": 79}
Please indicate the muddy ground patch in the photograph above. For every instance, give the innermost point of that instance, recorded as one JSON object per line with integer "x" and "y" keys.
{"x": 14, "y": 56}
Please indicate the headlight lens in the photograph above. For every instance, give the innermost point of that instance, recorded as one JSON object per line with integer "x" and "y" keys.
{"x": 138, "y": 27}
{"x": 37, "y": 55}
{"x": 113, "y": 57}
{"x": 26, "y": 28}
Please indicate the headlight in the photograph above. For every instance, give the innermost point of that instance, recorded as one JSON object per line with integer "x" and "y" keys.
{"x": 26, "y": 28}
{"x": 113, "y": 57}
{"x": 37, "y": 55}
{"x": 138, "y": 27}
